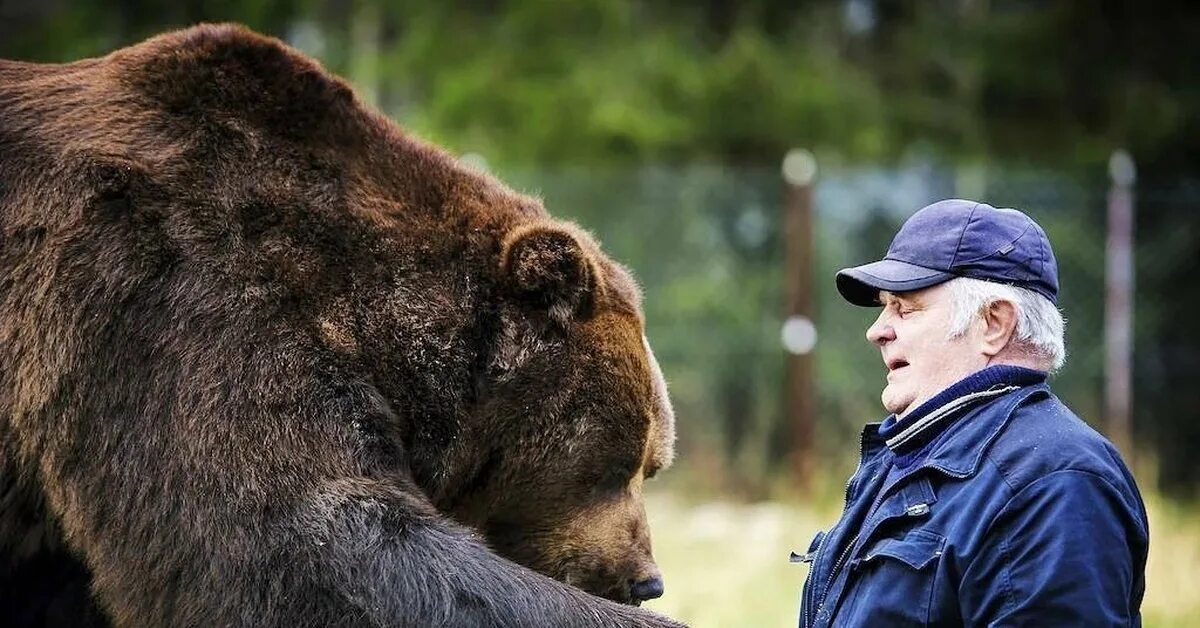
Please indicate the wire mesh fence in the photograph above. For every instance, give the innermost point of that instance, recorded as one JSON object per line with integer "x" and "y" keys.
{"x": 707, "y": 245}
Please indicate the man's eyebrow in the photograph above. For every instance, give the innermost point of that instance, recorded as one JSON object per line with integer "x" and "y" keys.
{"x": 886, "y": 298}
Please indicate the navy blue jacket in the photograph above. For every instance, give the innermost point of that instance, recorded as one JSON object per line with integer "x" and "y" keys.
{"x": 991, "y": 504}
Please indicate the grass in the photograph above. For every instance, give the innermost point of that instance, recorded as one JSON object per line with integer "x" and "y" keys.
{"x": 726, "y": 563}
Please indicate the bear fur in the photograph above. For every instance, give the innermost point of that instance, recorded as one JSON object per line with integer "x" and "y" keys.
{"x": 267, "y": 360}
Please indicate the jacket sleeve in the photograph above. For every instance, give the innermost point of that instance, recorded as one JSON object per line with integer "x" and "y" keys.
{"x": 1067, "y": 550}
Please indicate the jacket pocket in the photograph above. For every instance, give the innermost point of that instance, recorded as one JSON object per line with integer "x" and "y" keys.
{"x": 917, "y": 549}
{"x": 893, "y": 582}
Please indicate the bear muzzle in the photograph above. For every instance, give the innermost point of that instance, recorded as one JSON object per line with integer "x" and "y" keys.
{"x": 648, "y": 589}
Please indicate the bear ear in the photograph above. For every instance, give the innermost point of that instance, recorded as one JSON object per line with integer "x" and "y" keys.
{"x": 548, "y": 266}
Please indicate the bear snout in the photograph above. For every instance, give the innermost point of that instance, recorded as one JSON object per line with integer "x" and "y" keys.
{"x": 647, "y": 589}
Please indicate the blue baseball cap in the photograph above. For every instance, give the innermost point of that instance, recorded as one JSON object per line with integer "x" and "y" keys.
{"x": 957, "y": 238}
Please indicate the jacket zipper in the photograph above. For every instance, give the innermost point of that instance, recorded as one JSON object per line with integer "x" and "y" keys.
{"x": 810, "y": 618}
{"x": 837, "y": 566}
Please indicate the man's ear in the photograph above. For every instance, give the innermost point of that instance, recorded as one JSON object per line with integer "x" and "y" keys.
{"x": 547, "y": 266}
{"x": 1000, "y": 323}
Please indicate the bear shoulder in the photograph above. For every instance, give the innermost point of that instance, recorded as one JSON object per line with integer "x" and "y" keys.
{"x": 226, "y": 69}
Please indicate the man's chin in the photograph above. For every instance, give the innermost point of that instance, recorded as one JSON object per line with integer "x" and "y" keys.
{"x": 894, "y": 405}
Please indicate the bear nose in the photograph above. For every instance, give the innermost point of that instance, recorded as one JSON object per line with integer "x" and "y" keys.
{"x": 647, "y": 589}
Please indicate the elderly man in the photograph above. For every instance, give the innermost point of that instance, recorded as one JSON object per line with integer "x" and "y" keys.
{"x": 982, "y": 499}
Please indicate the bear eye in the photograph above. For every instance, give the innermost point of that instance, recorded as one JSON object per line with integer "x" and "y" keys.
{"x": 650, "y": 472}
{"x": 614, "y": 478}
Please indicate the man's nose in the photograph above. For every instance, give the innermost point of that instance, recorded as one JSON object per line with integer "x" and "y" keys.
{"x": 647, "y": 589}
{"x": 880, "y": 332}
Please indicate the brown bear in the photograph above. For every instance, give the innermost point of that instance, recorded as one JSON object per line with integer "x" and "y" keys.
{"x": 267, "y": 360}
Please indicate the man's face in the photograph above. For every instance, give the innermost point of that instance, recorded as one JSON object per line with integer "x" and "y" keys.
{"x": 912, "y": 333}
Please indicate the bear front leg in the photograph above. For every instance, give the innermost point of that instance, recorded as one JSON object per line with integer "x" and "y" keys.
{"x": 356, "y": 553}
{"x": 401, "y": 564}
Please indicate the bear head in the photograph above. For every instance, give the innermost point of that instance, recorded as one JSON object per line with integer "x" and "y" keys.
{"x": 583, "y": 417}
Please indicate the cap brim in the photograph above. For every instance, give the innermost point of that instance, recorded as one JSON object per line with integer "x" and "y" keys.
{"x": 861, "y": 285}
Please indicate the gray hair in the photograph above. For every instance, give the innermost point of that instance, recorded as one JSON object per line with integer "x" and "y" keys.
{"x": 1039, "y": 322}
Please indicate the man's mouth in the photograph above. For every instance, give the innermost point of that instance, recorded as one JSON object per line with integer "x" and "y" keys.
{"x": 896, "y": 363}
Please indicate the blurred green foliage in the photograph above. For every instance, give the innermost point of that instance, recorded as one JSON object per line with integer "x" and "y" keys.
{"x": 539, "y": 81}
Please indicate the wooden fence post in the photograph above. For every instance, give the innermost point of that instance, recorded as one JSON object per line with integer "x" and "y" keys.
{"x": 1118, "y": 303}
{"x": 799, "y": 334}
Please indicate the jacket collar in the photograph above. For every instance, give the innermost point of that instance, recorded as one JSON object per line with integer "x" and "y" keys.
{"x": 911, "y": 435}
{"x": 960, "y": 449}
